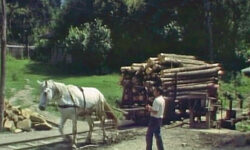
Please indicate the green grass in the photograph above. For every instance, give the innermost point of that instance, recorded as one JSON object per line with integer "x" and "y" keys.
{"x": 234, "y": 86}
{"x": 22, "y": 72}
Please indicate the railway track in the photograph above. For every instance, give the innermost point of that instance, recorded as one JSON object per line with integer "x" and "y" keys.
{"x": 38, "y": 142}
{"x": 42, "y": 142}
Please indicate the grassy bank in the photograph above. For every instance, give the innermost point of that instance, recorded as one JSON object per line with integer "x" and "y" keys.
{"x": 26, "y": 72}
{"x": 23, "y": 72}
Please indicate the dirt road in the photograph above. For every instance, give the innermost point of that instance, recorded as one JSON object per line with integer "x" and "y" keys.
{"x": 178, "y": 138}
{"x": 133, "y": 138}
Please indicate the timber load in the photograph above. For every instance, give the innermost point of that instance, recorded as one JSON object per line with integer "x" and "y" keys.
{"x": 182, "y": 78}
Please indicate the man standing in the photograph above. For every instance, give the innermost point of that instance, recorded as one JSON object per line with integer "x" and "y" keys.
{"x": 156, "y": 115}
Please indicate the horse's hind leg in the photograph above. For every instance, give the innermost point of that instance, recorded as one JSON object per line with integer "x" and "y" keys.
{"x": 102, "y": 118}
{"x": 91, "y": 126}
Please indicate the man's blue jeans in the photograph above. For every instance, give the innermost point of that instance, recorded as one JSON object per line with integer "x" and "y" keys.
{"x": 154, "y": 128}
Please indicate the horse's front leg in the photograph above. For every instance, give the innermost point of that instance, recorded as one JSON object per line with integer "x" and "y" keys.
{"x": 74, "y": 130}
{"x": 62, "y": 122}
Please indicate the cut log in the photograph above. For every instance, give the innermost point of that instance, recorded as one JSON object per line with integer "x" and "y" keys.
{"x": 149, "y": 70}
{"x": 190, "y": 81}
{"x": 42, "y": 126}
{"x": 190, "y": 87}
{"x": 176, "y": 56}
{"x": 185, "y": 69}
{"x": 189, "y": 97}
{"x": 24, "y": 125}
{"x": 151, "y": 61}
{"x": 139, "y": 65}
{"x": 181, "y": 93}
{"x": 207, "y": 72}
{"x": 26, "y": 113}
{"x": 127, "y": 69}
{"x": 9, "y": 125}
{"x": 179, "y": 62}
{"x": 18, "y": 131}
{"x": 37, "y": 118}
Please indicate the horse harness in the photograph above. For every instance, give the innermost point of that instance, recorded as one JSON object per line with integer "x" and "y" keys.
{"x": 74, "y": 103}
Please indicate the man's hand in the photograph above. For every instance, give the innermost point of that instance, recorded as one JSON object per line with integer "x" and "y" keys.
{"x": 149, "y": 108}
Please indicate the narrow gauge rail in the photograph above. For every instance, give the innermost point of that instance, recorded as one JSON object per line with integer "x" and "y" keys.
{"x": 41, "y": 142}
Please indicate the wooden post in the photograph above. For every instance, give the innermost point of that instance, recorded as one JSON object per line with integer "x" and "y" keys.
{"x": 191, "y": 114}
{"x": 3, "y": 54}
{"x": 208, "y": 114}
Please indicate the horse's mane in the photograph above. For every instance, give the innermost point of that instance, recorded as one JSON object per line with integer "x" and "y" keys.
{"x": 59, "y": 87}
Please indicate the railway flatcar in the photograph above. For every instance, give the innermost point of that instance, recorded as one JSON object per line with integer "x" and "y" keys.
{"x": 190, "y": 88}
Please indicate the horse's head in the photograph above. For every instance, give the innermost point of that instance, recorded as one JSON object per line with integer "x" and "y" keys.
{"x": 46, "y": 93}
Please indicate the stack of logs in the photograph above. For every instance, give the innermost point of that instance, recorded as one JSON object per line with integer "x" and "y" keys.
{"x": 181, "y": 77}
{"x": 17, "y": 120}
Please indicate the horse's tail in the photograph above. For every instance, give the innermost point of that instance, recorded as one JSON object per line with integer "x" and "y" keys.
{"x": 110, "y": 114}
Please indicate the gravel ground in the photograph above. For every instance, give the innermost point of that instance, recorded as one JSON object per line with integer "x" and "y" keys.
{"x": 186, "y": 139}
{"x": 133, "y": 138}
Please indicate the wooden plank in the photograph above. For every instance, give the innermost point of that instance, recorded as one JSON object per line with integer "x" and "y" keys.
{"x": 133, "y": 109}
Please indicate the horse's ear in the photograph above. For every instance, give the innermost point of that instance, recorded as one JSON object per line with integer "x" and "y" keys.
{"x": 39, "y": 82}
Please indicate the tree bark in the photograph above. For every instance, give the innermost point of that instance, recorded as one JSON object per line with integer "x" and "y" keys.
{"x": 3, "y": 54}
{"x": 208, "y": 14}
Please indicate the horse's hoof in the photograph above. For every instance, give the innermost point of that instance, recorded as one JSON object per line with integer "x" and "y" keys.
{"x": 74, "y": 147}
{"x": 88, "y": 141}
{"x": 67, "y": 139}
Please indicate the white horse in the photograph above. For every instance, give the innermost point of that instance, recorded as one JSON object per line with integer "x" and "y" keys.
{"x": 76, "y": 101}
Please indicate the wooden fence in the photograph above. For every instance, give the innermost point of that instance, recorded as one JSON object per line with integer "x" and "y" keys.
{"x": 20, "y": 51}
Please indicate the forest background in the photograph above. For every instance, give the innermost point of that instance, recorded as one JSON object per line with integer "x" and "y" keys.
{"x": 96, "y": 37}
{"x": 100, "y": 36}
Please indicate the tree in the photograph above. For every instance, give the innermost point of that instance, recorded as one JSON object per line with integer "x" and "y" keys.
{"x": 89, "y": 45}
{"x": 144, "y": 28}
{"x": 30, "y": 19}
{"x": 207, "y": 7}
{"x": 3, "y": 54}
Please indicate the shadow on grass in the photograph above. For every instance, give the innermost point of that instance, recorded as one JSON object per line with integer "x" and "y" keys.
{"x": 51, "y": 71}
{"x": 59, "y": 71}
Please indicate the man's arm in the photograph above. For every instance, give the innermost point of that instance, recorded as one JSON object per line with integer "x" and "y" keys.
{"x": 150, "y": 109}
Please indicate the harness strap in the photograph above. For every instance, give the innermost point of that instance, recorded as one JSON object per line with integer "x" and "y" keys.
{"x": 67, "y": 106}
{"x": 74, "y": 104}
{"x": 72, "y": 100}
{"x": 84, "y": 99}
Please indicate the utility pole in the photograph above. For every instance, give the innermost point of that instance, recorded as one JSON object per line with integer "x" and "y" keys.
{"x": 3, "y": 55}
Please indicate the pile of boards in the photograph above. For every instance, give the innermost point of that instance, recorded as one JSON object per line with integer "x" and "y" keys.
{"x": 18, "y": 120}
{"x": 180, "y": 76}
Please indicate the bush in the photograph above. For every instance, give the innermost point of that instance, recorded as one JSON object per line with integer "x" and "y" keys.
{"x": 89, "y": 45}
{"x": 243, "y": 126}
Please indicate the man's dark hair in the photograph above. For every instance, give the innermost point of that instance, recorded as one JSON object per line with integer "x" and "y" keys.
{"x": 159, "y": 89}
